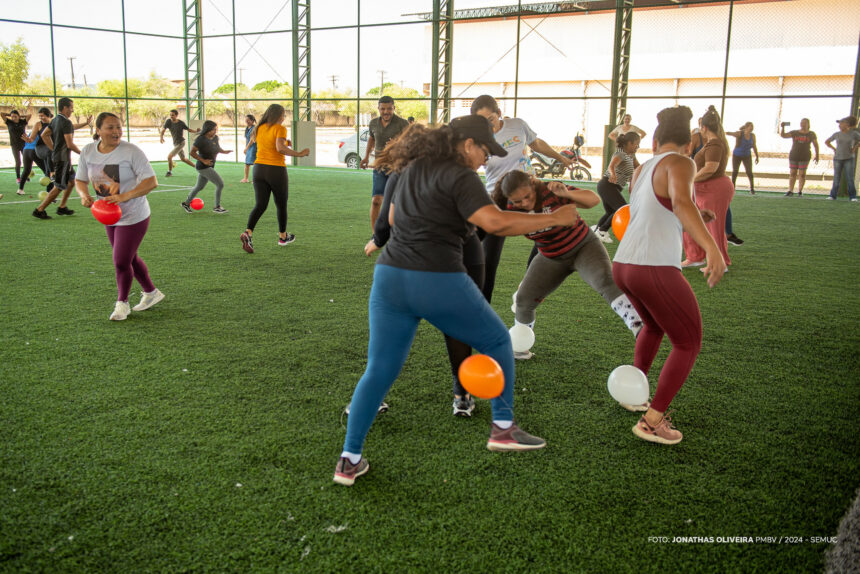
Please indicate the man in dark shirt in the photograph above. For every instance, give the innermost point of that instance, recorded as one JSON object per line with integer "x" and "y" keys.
{"x": 177, "y": 130}
{"x": 62, "y": 134}
{"x": 383, "y": 129}
{"x": 17, "y": 126}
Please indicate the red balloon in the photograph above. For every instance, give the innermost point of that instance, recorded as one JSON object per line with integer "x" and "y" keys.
{"x": 482, "y": 376}
{"x": 620, "y": 221}
{"x": 196, "y": 203}
{"x": 107, "y": 213}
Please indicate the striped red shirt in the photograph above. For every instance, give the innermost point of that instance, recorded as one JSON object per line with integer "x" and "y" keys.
{"x": 554, "y": 241}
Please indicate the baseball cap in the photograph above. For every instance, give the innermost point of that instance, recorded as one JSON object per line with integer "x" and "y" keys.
{"x": 479, "y": 129}
{"x": 850, "y": 120}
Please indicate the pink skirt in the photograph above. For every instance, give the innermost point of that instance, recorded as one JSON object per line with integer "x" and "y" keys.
{"x": 714, "y": 194}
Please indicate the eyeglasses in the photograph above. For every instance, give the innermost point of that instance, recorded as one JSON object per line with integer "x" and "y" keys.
{"x": 486, "y": 151}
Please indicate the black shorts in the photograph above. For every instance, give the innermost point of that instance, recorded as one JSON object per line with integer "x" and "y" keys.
{"x": 63, "y": 175}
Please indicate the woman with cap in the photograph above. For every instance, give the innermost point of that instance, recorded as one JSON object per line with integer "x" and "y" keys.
{"x": 205, "y": 150}
{"x": 847, "y": 141}
{"x": 438, "y": 202}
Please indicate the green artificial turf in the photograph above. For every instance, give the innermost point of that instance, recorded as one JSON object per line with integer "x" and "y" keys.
{"x": 201, "y": 435}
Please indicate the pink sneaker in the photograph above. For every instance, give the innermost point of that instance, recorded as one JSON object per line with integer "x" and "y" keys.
{"x": 513, "y": 438}
{"x": 663, "y": 433}
{"x": 345, "y": 472}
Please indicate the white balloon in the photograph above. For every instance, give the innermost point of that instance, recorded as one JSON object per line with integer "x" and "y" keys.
{"x": 628, "y": 385}
{"x": 522, "y": 337}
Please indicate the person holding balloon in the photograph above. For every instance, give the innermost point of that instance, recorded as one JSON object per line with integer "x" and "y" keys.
{"x": 420, "y": 275}
{"x": 613, "y": 181}
{"x": 647, "y": 266}
{"x": 122, "y": 176}
{"x": 563, "y": 250}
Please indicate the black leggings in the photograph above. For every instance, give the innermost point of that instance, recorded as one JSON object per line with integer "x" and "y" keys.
{"x": 30, "y": 158}
{"x": 16, "y": 152}
{"x": 493, "y": 245}
{"x": 270, "y": 180}
{"x": 457, "y": 350}
{"x": 736, "y": 165}
{"x": 610, "y": 195}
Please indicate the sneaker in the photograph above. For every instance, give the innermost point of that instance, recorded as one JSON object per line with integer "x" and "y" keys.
{"x": 65, "y": 211}
{"x": 752, "y": 192}
{"x": 247, "y": 245}
{"x": 513, "y": 438}
{"x": 20, "y": 192}
{"x": 120, "y": 311}
{"x": 514, "y": 304}
{"x": 854, "y": 200}
{"x": 40, "y": 214}
{"x": 345, "y": 472}
{"x": 382, "y": 408}
{"x": 464, "y": 406}
{"x": 186, "y": 207}
{"x": 663, "y": 433}
{"x": 287, "y": 240}
{"x": 219, "y": 209}
{"x": 799, "y": 194}
{"x": 636, "y": 408}
{"x": 831, "y": 198}
{"x": 604, "y": 236}
{"x": 789, "y": 194}
{"x": 168, "y": 174}
{"x": 686, "y": 263}
{"x": 734, "y": 239}
{"x": 523, "y": 355}
{"x": 148, "y": 300}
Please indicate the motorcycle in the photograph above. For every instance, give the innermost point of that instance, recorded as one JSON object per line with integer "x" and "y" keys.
{"x": 545, "y": 166}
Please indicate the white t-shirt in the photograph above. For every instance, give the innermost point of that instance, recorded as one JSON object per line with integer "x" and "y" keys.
{"x": 619, "y": 129}
{"x": 127, "y": 166}
{"x": 514, "y": 136}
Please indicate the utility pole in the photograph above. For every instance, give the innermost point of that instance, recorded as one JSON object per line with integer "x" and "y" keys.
{"x": 72, "y": 64}
{"x": 381, "y": 80}
{"x": 240, "y": 74}
{"x": 333, "y": 79}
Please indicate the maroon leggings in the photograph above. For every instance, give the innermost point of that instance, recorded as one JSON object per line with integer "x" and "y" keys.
{"x": 666, "y": 304}
{"x": 125, "y": 239}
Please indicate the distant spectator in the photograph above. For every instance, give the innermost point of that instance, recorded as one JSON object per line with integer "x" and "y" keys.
{"x": 250, "y": 145}
{"x": 847, "y": 142}
{"x": 742, "y": 154}
{"x": 16, "y": 126}
{"x": 800, "y": 154}
{"x": 624, "y": 127}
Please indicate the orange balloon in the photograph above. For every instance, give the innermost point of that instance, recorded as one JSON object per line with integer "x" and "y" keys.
{"x": 620, "y": 221}
{"x": 482, "y": 376}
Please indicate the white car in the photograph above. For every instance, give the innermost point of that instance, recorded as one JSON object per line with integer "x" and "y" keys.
{"x": 350, "y": 153}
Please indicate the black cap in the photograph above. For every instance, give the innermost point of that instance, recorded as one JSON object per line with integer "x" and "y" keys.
{"x": 480, "y": 130}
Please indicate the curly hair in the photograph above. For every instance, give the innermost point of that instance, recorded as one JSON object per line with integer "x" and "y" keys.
{"x": 418, "y": 142}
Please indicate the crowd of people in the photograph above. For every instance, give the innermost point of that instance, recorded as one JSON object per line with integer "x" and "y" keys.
{"x": 441, "y": 230}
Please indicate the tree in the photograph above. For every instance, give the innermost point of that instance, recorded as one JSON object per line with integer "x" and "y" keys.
{"x": 269, "y": 86}
{"x": 14, "y": 69}
{"x": 418, "y": 109}
{"x": 227, "y": 89}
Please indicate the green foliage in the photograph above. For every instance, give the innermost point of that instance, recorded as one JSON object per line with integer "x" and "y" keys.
{"x": 14, "y": 69}
{"x": 227, "y": 89}
{"x": 269, "y": 86}
{"x": 201, "y": 435}
{"x": 420, "y": 110}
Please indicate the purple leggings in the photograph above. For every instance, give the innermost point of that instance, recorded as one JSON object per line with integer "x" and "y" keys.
{"x": 125, "y": 239}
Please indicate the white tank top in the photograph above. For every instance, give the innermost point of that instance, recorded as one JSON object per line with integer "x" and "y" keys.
{"x": 654, "y": 235}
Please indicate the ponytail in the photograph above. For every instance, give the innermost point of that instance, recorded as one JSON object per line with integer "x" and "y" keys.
{"x": 711, "y": 120}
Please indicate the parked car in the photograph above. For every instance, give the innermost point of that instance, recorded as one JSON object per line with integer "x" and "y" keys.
{"x": 350, "y": 153}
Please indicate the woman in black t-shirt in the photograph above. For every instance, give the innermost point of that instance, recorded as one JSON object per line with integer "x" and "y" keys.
{"x": 438, "y": 201}
{"x": 205, "y": 150}
{"x": 800, "y": 154}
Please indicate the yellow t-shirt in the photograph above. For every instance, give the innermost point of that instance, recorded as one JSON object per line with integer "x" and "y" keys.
{"x": 267, "y": 153}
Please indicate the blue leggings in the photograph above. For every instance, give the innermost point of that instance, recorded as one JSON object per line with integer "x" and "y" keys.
{"x": 452, "y": 303}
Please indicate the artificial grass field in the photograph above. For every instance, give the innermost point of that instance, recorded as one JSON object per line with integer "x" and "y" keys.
{"x": 202, "y": 435}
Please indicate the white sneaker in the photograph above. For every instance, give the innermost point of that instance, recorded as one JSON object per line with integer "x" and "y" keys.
{"x": 149, "y": 300}
{"x": 604, "y": 236}
{"x": 514, "y": 304}
{"x": 120, "y": 311}
{"x": 523, "y": 355}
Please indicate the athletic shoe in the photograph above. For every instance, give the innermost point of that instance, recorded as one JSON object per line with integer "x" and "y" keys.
{"x": 219, "y": 209}
{"x": 20, "y": 192}
{"x": 789, "y": 193}
{"x": 120, "y": 311}
{"x": 148, "y": 300}
{"x": 287, "y": 240}
{"x": 799, "y": 194}
{"x": 382, "y": 408}
{"x": 513, "y": 438}
{"x": 636, "y": 408}
{"x": 514, "y": 304}
{"x": 247, "y": 245}
{"x": 523, "y": 355}
{"x": 168, "y": 174}
{"x": 686, "y": 263}
{"x": 831, "y": 198}
{"x": 345, "y": 472}
{"x": 604, "y": 236}
{"x": 855, "y": 200}
{"x": 734, "y": 239}
{"x": 65, "y": 211}
{"x": 464, "y": 406}
{"x": 186, "y": 207}
{"x": 40, "y": 214}
{"x": 663, "y": 433}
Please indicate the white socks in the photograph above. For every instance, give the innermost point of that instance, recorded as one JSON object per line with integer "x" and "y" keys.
{"x": 353, "y": 458}
{"x": 624, "y": 309}
{"x": 504, "y": 425}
